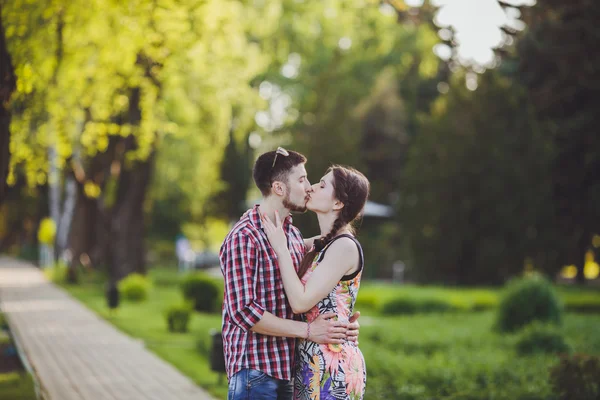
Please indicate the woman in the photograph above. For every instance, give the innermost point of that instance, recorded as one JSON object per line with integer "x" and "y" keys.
{"x": 327, "y": 281}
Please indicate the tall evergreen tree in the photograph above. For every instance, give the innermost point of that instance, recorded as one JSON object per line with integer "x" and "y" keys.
{"x": 560, "y": 66}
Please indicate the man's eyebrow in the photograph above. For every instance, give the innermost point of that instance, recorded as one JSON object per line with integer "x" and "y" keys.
{"x": 303, "y": 176}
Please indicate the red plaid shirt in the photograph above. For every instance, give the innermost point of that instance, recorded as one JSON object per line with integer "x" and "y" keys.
{"x": 253, "y": 285}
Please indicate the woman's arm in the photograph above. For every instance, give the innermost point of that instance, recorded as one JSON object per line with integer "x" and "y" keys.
{"x": 340, "y": 259}
{"x": 324, "y": 329}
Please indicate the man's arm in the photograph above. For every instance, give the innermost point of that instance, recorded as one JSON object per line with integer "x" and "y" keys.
{"x": 325, "y": 329}
{"x": 238, "y": 257}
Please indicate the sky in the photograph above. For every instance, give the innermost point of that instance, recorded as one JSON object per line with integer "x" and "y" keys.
{"x": 477, "y": 25}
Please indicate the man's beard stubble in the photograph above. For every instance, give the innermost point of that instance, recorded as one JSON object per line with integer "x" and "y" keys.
{"x": 293, "y": 207}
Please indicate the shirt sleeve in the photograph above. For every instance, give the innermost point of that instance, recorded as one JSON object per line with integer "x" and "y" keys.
{"x": 239, "y": 261}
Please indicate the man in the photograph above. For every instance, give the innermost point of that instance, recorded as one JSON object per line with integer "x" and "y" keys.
{"x": 259, "y": 329}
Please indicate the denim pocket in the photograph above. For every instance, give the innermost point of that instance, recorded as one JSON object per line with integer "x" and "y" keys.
{"x": 255, "y": 377}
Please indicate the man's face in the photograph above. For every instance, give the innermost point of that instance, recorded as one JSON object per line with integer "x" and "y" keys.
{"x": 297, "y": 189}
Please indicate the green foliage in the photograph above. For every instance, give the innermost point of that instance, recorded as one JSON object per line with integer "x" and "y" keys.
{"x": 56, "y": 273}
{"x": 459, "y": 170}
{"x": 167, "y": 277}
{"x": 527, "y": 300}
{"x": 577, "y": 377}
{"x": 449, "y": 356}
{"x": 404, "y": 305}
{"x": 484, "y": 302}
{"x": 549, "y": 55}
{"x": 134, "y": 287}
{"x": 178, "y": 318}
{"x": 583, "y": 302}
{"x": 17, "y": 386}
{"x": 367, "y": 301}
{"x": 422, "y": 356}
{"x": 541, "y": 338}
{"x": 203, "y": 291}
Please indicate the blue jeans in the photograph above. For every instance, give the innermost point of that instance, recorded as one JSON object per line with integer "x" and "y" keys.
{"x": 249, "y": 384}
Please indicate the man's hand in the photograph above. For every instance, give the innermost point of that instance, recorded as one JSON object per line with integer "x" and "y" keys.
{"x": 275, "y": 233}
{"x": 325, "y": 330}
{"x": 353, "y": 326}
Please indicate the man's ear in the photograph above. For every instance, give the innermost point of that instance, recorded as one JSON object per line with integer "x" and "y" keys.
{"x": 278, "y": 188}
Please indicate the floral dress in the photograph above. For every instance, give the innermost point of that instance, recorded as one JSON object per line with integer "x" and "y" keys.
{"x": 334, "y": 371}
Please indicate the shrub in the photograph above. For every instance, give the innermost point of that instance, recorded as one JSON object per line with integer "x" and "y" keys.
{"x": 57, "y": 273}
{"x": 541, "y": 338}
{"x": 134, "y": 287}
{"x": 403, "y": 305}
{"x": 576, "y": 377}
{"x": 584, "y": 303}
{"x": 484, "y": 303}
{"x": 178, "y": 318}
{"x": 527, "y": 300}
{"x": 367, "y": 301}
{"x": 399, "y": 306}
{"x": 202, "y": 291}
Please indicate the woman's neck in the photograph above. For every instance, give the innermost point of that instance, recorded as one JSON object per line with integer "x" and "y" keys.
{"x": 326, "y": 222}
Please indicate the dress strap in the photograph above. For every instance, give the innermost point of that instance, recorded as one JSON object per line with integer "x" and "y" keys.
{"x": 360, "y": 255}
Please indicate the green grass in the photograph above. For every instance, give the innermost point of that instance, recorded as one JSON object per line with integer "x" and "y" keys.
{"x": 437, "y": 355}
{"x": 147, "y": 321}
{"x": 373, "y": 296}
{"x": 15, "y": 386}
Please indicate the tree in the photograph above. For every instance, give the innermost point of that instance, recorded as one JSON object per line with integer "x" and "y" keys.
{"x": 7, "y": 87}
{"x": 476, "y": 188}
{"x": 108, "y": 110}
{"x": 561, "y": 71}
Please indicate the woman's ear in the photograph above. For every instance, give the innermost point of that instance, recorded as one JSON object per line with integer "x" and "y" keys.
{"x": 338, "y": 205}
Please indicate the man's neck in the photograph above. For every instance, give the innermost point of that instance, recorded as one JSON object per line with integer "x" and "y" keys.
{"x": 271, "y": 204}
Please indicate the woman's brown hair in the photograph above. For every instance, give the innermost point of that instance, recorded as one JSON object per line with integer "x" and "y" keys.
{"x": 351, "y": 188}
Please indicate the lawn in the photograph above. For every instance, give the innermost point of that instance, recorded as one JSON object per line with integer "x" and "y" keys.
{"x": 436, "y": 355}
{"x": 15, "y": 382}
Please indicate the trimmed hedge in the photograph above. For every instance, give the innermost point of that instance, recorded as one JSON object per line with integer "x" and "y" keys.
{"x": 203, "y": 291}
{"x": 527, "y": 300}
{"x": 178, "y": 318}
{"x": 134, "y": 287}
{"x": 541, "y": 338}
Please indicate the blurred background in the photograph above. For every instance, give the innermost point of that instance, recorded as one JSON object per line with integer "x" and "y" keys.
{"x": 128, "y": 131}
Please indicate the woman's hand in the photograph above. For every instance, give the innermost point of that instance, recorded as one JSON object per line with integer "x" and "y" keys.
{"x": 275, "y": 233}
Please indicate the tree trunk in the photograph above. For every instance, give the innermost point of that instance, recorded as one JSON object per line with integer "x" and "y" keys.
{"x": 7, "y": 87}
{"x": 83, "y": 236}
{"x": 126, "y": 247}
{"x": 127, "y": 221}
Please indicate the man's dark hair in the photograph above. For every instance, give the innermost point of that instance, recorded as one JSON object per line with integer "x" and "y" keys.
{"x": 265, "y": 173}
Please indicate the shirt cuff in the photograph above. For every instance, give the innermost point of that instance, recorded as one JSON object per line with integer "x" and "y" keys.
{"x": 249, "y": 316}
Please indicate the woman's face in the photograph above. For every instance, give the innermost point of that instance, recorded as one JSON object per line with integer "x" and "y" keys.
{"x": 322, "y": 198}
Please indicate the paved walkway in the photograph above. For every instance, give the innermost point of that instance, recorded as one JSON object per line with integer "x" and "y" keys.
{"x": 75, "y": 354}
